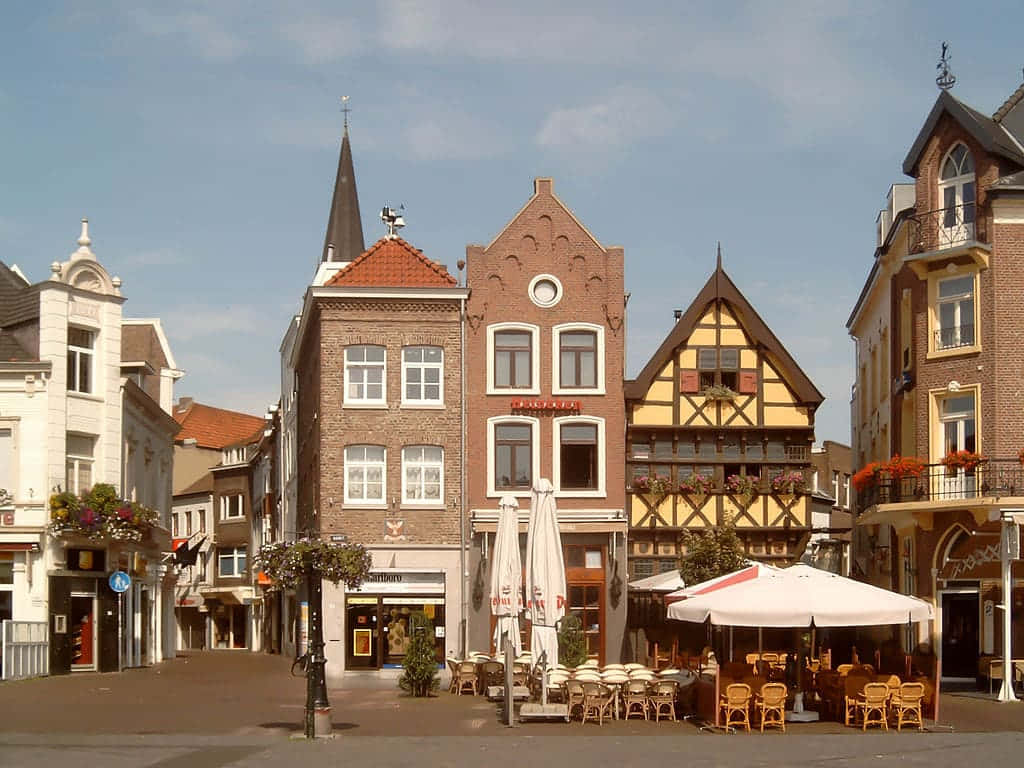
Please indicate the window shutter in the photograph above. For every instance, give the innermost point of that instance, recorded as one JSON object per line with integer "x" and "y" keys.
{"x": 748, "y": 382}
{"x": 689, "y": 381}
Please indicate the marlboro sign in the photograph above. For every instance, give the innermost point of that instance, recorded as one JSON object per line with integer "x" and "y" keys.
{"x": 546, "y": 406}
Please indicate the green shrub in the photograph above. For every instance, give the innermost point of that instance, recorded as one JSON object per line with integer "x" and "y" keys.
{"x": 420, "y": 664}
{"x": 572, "y": 644}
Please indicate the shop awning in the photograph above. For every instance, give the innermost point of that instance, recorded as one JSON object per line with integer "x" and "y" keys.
{"x": 19, "y": 546}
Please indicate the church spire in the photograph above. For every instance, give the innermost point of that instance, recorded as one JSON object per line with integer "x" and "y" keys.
{"x": 344, "y": 226}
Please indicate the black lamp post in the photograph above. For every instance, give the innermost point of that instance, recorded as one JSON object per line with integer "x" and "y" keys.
{"x": 318, "y": 708}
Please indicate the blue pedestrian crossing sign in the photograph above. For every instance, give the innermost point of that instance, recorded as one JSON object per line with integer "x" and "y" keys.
{"x": 119, "y": 581}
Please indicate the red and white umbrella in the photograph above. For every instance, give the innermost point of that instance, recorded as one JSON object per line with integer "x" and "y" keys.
{"x": 507, "y": 576}
{"x": 545, "y": 573}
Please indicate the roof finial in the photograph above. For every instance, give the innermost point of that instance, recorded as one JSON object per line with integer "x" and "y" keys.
{"x": 84, "y": 252}
{"x": 346, "y": 110}
{"x": 393, "y": 220}
{"x": 945, "y": 80}
{"x": 718, "y": 264}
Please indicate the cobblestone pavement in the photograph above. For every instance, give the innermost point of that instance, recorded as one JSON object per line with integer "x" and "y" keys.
{"x": 224, "y": 708}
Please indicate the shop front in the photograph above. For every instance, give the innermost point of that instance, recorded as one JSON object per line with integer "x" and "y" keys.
{"x": 377, "y": 616}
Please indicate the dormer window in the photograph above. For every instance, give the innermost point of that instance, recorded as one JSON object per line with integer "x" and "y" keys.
{"x": 957, "y": 193}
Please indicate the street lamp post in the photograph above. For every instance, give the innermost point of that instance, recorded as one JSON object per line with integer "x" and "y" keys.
{"x": 318, "y": 708}
{"x": 1009, "y": 550}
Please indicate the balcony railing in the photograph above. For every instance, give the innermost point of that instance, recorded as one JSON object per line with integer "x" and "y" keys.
{"x": 993, "y": 477}
{"x": 945, "y": 228}
{"x": 954, "y": 337}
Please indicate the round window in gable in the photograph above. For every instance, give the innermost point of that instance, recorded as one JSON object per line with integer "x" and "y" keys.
{"x": 545, "y": 290}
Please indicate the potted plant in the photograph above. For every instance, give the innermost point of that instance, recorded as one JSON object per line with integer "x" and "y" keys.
{"x": 965, "y": 460}
{"x": 420, "y": 662}
{"x": 656, "y": 485}
{"x": 99, "y": 514}
{"x": 719, "y": 392}
{"x": 742, "y": 486}
{"x": 697, "y": 486}
{"x": 285, "y": 562}
{"x": 901, "y": 468}
{"x": 867, "y": 476}
{"x": 789, "y": 483}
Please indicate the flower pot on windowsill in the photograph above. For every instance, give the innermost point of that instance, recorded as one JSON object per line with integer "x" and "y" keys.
{"x": 719, "y": 393}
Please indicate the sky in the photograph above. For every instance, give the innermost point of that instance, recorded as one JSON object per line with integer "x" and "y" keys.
{"x": 201, "y": 141}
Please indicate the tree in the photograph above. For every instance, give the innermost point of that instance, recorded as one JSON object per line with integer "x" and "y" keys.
{"x": 572, "y": 645}
{"x": 420, "y": 662}
{"x": 710, "y": 553}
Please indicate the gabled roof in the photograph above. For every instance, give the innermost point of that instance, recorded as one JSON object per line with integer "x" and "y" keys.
{"x": 393, "y": 263}
{"x": 720, "y": 286}
{"x": 12, "y": 351}
{"x": 139, "y": 343}
{"x": 214, "y": 427}
{"x": 344, "y": 226}
{"x": 990, "y": 133}
{"x": 19, "y": 301}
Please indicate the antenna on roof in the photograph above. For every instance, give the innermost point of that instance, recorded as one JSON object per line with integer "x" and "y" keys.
{"x": 393, "y": 220}
{"x": 946, "y": 79}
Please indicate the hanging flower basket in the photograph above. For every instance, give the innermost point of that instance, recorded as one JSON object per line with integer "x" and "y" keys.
{"x": 100, "y": 515}
{"x": 720, "y": 393}
{"x": 789, "y": 483}
{"x": 285, "y": 562}
{"x": 1020, "y": 456}
{"x": 743, "y": 487}
{"x": 965, "y": 460}
{"x": 696, "y": 487}
{"x": 658, "y": 485}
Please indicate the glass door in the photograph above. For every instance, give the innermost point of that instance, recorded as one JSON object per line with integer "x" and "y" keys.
{"x": 83, "y": 631}
{"x": 958, "y": 434}
{"x": 362, "y": 621}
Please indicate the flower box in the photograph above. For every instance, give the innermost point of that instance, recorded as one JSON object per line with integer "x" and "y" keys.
{"x": 719, "y": 392}
{"x": 965, "y": 460}
{"x": 658, "y": 485}
{"x": 789, "y": 482}
{"x": 99, "y": 515}
{"x": 696, "y": 485}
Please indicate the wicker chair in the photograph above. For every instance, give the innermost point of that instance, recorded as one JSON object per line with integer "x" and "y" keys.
{"x": 597, "y": 701}
{"x": 736, "y": 702}
{"x": 873, "y": 706}
{"x": 661, "y": 698}
{"x": 905, "y": 704}
{"x": 521, "y": 673}
{"x": 853, "y": 689}
{"x": 467, "y": 677}
{"x": 574, "y": 694}
{"x": 453, "y": 670}
{"x": 772, "y": 706}
{"x": 635, "y": 697}
{"x": 493, "y": 673}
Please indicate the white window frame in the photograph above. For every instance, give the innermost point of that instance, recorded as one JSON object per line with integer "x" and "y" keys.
{"x": 73, "y": 462}
{"x": 12, "y": 424}
{"x": 223, "y": 554}
{"x": 383, "y": 464}
{"x": 534, "y": 332}
{"x": 225, "y": 507}
{"x": 365, "y": 402}
{"x": 556, "y": 458}
{"x": 556, "y": 359}
{"x": 958, "y": 321}
{"x": 422, "y": 465}
{"x": 534, "y": 424}
{"x": 175, "y": 525}
{"x": 78, "y": 353}
{"x": 962, "y": 230}
{"x": 423, "y": 366}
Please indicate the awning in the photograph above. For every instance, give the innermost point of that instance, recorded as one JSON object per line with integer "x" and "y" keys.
{"x": 18, "y": 546}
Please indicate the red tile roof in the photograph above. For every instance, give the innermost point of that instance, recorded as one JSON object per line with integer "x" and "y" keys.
{"x": 393, "y": 263}
{"x": 214, "y": 427}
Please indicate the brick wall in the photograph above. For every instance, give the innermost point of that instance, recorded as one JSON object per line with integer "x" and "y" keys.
{"x": 392, "y": 324}
{"x": 545, "y": 239}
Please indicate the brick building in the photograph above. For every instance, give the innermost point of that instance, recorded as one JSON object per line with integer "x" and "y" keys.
{"x": 376, "y": 359}
{"x": 938, "y": 331}
{"x": 545, "y": 344}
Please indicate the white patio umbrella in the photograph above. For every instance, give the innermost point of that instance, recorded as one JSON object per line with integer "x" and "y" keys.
{"x": 797, "y": 597}
{"x": 545, "y": 573}
{"x": 507, "y": 576}
{"x": 660, "y": 582}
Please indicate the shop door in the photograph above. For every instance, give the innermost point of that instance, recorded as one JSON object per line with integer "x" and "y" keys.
{"x": 960, "y": 634}
{"x": 82, "y": 625}
{"x": 362, "y": 622}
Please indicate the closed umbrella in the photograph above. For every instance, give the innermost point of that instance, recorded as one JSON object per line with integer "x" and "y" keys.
{"x": 507, "y": 576}
{"x": 545, "y": 573}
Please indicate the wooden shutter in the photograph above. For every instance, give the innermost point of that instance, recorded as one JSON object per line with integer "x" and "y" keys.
{"x": 748, "y": 382}
{"x": 689, "y": 381}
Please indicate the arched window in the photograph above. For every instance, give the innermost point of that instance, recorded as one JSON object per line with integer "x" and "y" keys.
{"x": 956, "y": 191}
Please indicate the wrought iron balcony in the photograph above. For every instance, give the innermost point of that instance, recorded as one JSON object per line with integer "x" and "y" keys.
{"x": 990, "y": 478}
{"x": 954, "y": 337}
{"x": 945, "y": 228}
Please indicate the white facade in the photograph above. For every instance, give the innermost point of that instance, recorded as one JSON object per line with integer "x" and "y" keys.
{"x": 287, "y": 453}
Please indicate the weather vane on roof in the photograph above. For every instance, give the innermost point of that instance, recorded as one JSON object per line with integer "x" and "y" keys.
{"x": 393, "y": 220}
{"x": 945, "y": 80}
{"x": 346, "y": 110}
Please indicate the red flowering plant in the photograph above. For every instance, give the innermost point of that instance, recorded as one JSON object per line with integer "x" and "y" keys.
{"x": 899, "y": 467}
{"x": 99, "y": 514}
{"x": 789, "y": 482}
{"x": 741, "y": 485}
{"x": 867, "y": 476}
{"x": 965, "y": 460}
{"x": 696, "y": 485}
{"x": 656, "y": 484}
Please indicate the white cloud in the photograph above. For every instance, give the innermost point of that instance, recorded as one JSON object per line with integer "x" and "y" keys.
{"x": 452, "y": 135}
{"x": 186, "y": 323}
{"x": 625, "y": 115}
{"x": 206, "y": 34}
{"x": 322, "y": 39}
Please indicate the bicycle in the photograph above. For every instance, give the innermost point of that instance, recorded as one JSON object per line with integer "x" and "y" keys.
{"x": 301, "y": 664}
